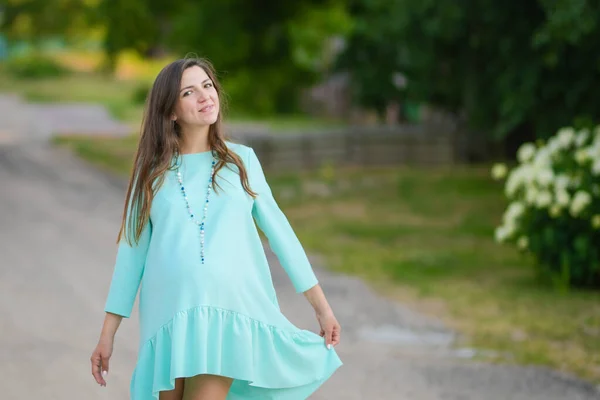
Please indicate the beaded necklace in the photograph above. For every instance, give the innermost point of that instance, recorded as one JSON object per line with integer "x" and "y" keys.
{"x": 190, "y": 212}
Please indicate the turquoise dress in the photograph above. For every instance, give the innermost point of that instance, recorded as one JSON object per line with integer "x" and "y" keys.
{"x": 221, "y": 317}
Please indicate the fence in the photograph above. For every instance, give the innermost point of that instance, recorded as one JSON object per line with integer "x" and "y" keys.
{"x": 381, "y": 146}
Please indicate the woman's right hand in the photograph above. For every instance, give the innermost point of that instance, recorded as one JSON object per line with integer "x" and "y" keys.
{"x": 100, "y": 358}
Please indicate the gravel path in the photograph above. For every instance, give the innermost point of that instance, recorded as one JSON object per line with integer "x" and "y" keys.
{"x": 58, "y": 224}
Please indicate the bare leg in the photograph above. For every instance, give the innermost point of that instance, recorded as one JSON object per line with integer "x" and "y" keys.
{"x": 175, "y": 394}
{"x": 206, "y": 387}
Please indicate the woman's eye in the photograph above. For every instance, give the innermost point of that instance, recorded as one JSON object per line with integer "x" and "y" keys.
{"x": 208, "y": 85}
{"x": 186, "y": 93}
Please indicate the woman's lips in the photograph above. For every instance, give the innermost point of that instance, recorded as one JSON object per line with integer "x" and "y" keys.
{"x": 207, "y": 109}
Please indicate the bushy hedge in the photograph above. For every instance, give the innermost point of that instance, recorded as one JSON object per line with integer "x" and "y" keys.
{"x": 35, "y": 67}
{"x": 554, "y": 209}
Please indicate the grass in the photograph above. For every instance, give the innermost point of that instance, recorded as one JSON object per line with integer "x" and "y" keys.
{"x": 424, "y": 236}
{"x": 288, "y": 123}
{"x": 112, "y": 154}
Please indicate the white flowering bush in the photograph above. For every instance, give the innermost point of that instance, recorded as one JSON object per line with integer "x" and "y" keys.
{"x": 554, "y": 205}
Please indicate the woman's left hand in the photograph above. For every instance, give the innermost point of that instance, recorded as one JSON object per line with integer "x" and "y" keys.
{"x": 330, "y": 328}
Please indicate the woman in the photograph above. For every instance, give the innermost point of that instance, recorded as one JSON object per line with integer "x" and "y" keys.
{"x": 210, "y": 324}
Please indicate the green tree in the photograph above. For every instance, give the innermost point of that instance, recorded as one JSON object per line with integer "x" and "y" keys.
{"x": 139, "y": 25}
{"x": 515, "y": 66}
{"x": 36, "y": 20}
{"x": 267, "y": 52}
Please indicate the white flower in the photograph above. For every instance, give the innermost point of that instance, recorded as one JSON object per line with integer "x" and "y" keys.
{"x": 504, "y": 232}
{"x": 514, "y": 211}
{"x": 511, "y": 229}
{"x": 528, "y": 174}
{"x": 566, "y": 137}
{"x": 594, "y": 149}
{"x": 516, "y": 208}
{"x": 553, "y": 145}
{"x": 554, "y": 210}
{"x": 562, "y": 182}
{"x": 531, "y": 195}
{"x": 516, "y": 179}
{"x": 526, "y": 152}
{"x": 596, "y": 167}
{"x": 562, "y": 198}
{"x": 544, "y": 176}
{"x": 523, "y": 242}
{"x": 543, "y": 158}
{"x": 500, "y": 234}
{"x": 582, "y": 137}
{"x": 581, "y": 156}
{"x": 499, "y": 171}
{"x": 596, "y": 221}
{"x": 544, "y": 199}
{"x": 580, "y": 200}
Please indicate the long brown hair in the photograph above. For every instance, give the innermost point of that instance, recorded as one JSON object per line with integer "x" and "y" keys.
{"x": 160, "y": 142}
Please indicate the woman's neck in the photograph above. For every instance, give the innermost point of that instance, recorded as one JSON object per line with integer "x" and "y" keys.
{"x": 194, "y": 141}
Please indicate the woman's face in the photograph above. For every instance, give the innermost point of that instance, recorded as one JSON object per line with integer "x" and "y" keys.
{"x": 198, "y": 101}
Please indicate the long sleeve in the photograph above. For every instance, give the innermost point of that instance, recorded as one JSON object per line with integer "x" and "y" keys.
{"x": 276, "y": 227}
{"x": 127, "y": 274}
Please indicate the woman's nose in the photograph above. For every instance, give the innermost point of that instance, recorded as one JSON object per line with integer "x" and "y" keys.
{"x": 202, "y": 96}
